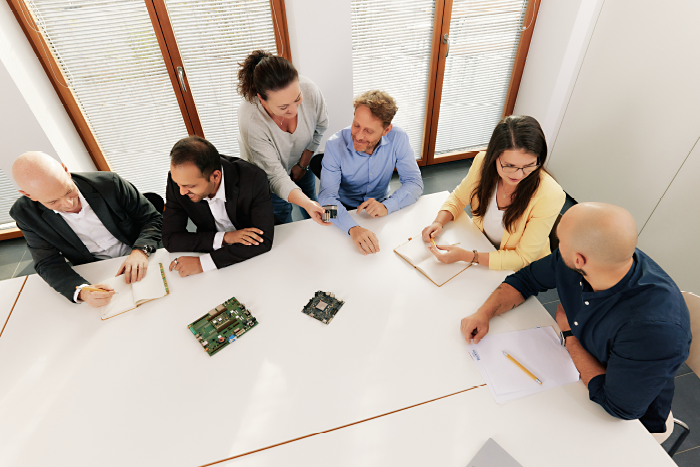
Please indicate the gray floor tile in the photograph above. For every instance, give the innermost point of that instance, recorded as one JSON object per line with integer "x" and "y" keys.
{"x": 548, "y": 296}
{"x": 551, "y": 308}
{"x": 689, "y": 458}
{"x": 446, "y": 182}
{"x": 683, "y": 370}
{"x": 7, "y": 270}
{"x": 25, "y": 267}
{"x": 456, "y": 167}
{"x": 686, "y": 407}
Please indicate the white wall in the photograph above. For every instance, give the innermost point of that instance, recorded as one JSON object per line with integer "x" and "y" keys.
{"x": 32, "y": 116}
{"x": 322, "y": 51}
{"x": 559, "y": 41}
{"x": 619, "y": 106}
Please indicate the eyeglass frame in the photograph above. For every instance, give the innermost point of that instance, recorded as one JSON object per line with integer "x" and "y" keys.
{"x": 535, "y": 167}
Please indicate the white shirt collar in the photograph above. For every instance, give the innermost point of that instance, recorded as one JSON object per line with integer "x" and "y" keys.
{"x": 221, "y": 192}
{"x": 80, "y": 214}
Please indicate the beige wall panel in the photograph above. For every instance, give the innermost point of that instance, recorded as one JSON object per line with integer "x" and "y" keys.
{"x": 632, "y": 117}
{"x": 672, "y": 233}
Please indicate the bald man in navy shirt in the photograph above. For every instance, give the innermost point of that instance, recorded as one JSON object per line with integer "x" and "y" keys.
{"x": 623, "y": 319}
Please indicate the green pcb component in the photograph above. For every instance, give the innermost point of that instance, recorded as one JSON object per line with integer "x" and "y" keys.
{"x": 323, "y": 307}
{"x": 222, "y": 325}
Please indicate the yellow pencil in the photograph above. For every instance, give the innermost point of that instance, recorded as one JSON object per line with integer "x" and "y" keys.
{"x": 537, "y": 380}
{"x": 95, "y": 289}
{"x": 432, "y": 240}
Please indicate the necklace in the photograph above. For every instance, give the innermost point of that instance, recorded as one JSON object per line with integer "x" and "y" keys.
{"x": 503, "y": 185}
{"x": 280, "y": 123}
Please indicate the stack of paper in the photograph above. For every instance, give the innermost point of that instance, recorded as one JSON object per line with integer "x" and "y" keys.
{"x": 538, "y": 350}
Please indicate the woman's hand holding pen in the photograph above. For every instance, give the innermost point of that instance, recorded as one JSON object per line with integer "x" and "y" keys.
{"x": 451, "y": 254}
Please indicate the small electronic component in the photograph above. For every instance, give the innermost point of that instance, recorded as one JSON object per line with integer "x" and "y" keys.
{"x": 222, "y": 325}
{"x": 330, "y": 212}
{"x": 323, "y": 306}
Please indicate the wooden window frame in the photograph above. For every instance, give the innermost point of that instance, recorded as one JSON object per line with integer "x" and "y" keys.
{"x": 443, "y": 16}
{"x": 171, "y": 56}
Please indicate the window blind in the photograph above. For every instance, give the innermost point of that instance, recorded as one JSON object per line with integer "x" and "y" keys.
{"x": 391, "y": 44}
{"x": 484, "y": 36}
{"x": 110, "y": 56}
{"x": 8, "y": 195}
{"x": 213, "y": 37}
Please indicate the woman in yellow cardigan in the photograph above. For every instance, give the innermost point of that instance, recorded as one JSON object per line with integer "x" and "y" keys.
{"x": 514, "y": 201}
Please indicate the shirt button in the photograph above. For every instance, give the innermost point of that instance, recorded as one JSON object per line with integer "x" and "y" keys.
{"x": 581, "y": 284}
{"x": 575, "y": 323}
{"x": 586, "y": 303}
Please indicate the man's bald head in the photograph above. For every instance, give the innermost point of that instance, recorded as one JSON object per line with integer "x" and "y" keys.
{"x": 36, "y": 172}
{"x": 605, "y": 234}
{"x": 45, "y": 180}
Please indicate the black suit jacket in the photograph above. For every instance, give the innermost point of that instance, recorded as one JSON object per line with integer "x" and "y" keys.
{"x": 248, "y": 204}
{"x": 125, "y": 212}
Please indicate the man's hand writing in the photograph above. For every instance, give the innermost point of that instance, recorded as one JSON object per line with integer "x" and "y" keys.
{"x": 97, "y": 299}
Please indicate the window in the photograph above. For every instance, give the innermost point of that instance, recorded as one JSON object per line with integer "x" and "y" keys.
{"x": 137, "y": 76}
{"x": 454, "y": 66}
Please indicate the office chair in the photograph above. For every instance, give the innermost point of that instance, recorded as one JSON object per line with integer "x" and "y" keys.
{"x": 693, "y": 361}
{"x": 156, "y": 200}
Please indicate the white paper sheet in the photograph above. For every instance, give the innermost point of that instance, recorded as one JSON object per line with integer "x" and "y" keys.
{"x": 537, "y": 349}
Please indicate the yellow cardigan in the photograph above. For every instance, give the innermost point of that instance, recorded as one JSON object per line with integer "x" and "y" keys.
{"x": 530, "y": 240}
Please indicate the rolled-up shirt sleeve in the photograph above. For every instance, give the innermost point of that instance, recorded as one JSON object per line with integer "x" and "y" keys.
{"x": 536, "y": 277}
{"x": 409, "y": 175}
{"x": 642, "y": 361}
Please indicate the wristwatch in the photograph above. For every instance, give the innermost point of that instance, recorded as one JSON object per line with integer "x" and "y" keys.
{"x": 306, "y": 169}
{"x": 475, "y": 260}
{"x": 147, "y": 249}
{"x": 563, "y": 335}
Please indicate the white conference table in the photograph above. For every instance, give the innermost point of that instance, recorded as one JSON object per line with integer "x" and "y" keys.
{"x": 9, "y": 291}
{"x": 139, "y": 390}
{"x": 556, "y": 428}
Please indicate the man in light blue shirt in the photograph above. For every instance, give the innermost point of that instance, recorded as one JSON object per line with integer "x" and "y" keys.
{"x": 359, "y": 162}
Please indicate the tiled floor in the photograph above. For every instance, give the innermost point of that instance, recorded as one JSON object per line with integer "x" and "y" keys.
{"x": 15, "y": 261}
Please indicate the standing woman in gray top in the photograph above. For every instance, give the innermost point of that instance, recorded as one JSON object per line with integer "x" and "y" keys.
{"x": 281, "y": 123}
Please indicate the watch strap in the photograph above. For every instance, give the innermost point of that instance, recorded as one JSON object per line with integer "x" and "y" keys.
{"x": 566, "y": 334}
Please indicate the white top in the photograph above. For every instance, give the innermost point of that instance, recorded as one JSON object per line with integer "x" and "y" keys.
{"x": 217, "y": 205}
{"x": 92, "y": 232}
{"x": 493, "y": 221}
{"x": 264, "y": 144}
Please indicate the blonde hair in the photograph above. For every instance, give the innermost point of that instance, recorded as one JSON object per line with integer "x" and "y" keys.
{"x": 381, "y": 104}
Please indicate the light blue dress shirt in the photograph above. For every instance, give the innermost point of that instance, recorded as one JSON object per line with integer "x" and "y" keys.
{"x": 353, "y": 177}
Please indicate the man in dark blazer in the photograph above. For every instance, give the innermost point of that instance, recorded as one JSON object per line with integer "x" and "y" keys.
{"x": 81, "y": 218}
{"x": 227, "y": 198}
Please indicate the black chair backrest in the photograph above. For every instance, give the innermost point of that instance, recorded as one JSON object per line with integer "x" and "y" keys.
{"x": 315, "y": 165}
{"x": 553, "y": 239}
{"x": 156, "y": 200}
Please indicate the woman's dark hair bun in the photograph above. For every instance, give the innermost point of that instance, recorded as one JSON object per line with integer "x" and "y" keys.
{"x": 262, "y": 72}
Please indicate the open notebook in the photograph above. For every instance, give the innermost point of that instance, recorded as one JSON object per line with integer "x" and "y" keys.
{"x": 132, "y": 295}
{"x": 416, "y": 252}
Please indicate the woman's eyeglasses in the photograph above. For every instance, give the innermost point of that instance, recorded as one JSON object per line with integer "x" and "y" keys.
{"x": 511, "y": 169}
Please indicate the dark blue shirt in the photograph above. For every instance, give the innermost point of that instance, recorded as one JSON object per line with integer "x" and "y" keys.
{"x": 639, "y": 330}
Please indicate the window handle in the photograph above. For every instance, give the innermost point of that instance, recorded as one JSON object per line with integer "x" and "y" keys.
{"x": 181, "y": 77}
{"x": 446, "y": 40}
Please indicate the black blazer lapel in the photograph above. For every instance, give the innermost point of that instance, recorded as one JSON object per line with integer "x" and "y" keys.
{"x": 59, "y": 224}
{"x": 231, "y": 189}
{"x": 98, "y": 204}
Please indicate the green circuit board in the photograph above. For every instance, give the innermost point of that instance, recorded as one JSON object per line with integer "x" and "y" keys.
{"x": 323, "y": 306}
{"x": 222, "y": 325}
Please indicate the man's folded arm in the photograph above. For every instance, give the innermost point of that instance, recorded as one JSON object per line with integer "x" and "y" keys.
{"x": 331, "y": 176}
{"x": 261, "y": 217}
{"x": 538, "y": 276}
{"x": 141, "y": 211}
{"x": 409, "y": 175}
{"x": 176, "y": 238}
{"x": 644, "y": 359}
{"x": 51, "y": 265}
